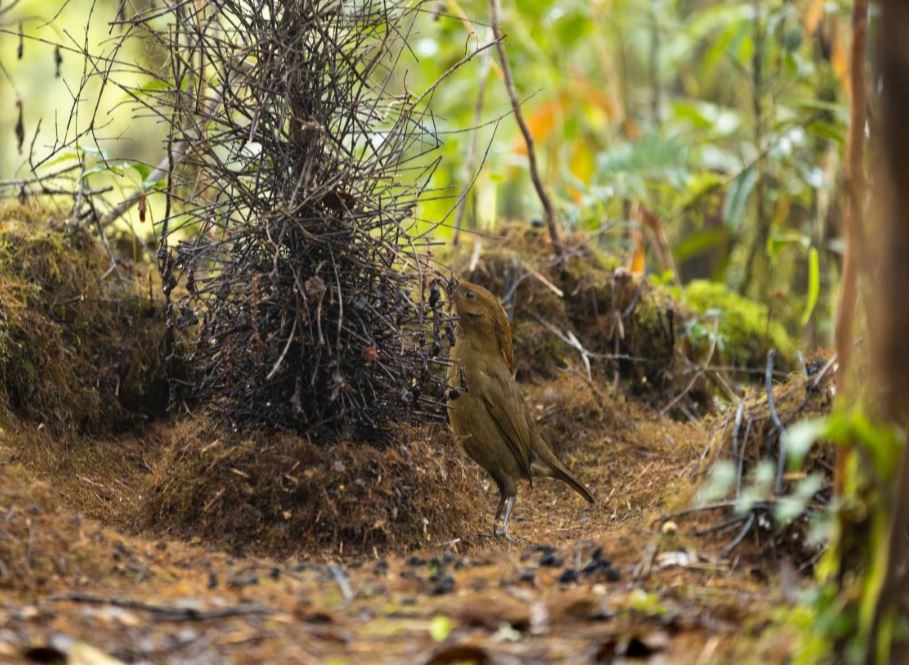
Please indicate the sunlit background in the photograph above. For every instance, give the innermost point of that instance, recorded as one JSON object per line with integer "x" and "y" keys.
{"x": 726, "y": 119}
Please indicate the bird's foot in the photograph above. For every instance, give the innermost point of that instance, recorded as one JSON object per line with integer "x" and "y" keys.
{"x": 503, "y": 532}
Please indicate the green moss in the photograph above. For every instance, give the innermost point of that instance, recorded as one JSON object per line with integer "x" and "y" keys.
{"x": 745, "y": 335}
{"x": 80, "y": 343}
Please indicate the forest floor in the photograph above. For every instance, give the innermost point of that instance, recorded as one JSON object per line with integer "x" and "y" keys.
{"x": 578, "y": 585}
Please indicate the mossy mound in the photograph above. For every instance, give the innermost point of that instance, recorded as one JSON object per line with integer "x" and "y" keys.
{"x": 573, "y": 414}
{"x": 647, "y": 334}
{"x": 746, "y": 332}
{"x": 620, "y": 318}
{"x": 278, "y": 493}
{"x": 80, "y": 339}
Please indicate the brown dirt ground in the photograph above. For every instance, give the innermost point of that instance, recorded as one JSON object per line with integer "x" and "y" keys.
{"x": 75, "y": 575}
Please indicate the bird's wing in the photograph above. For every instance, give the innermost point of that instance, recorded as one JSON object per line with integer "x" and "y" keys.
{"x": 505, "y": 405}
{"x": 503, "y": 337}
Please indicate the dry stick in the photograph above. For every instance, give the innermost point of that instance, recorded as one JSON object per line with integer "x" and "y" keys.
{"x": 777, "y": 423}
{"x": 739, "y": 537}
{"x": 163, "y": 612}
{"x": 720, "y": 505}
{"x": 548, "y": 209}
{"x": 852, "y": 217}
{"x": 660, "y": 241}
{"x": 725, "y": 525}
{"x": 741, "y": 467}
{"x": 736, "y": 456}
{"x": 675, "y": 400}
{"x": 341, "y": 580}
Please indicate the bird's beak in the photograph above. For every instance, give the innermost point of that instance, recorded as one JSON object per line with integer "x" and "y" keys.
{"x": 451, "y": 284}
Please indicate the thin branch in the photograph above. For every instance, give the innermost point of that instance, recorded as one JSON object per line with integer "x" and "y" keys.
{"x": 853, "y": 216}
{"x": 163, "y": 612}
{"x": 548, "y": 209}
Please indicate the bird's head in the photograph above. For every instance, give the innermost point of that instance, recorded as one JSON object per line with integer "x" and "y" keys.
{"x": 482, "y": 317}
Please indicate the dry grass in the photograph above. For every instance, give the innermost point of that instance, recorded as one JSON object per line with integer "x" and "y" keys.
{"x": 278, "y": 492}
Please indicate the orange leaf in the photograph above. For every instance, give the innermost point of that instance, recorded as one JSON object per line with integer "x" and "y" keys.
{"x": 813, "y": 16}
{"x": 840, "y": 63}
{"x": 637, "y": 261}
{"x": 540, "y": 123}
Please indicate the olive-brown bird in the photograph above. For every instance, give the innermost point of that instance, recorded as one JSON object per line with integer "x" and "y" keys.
{"x": 485, "y": 407}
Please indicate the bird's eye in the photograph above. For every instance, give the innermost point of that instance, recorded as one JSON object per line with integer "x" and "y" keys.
{"x": 469, "y": 294}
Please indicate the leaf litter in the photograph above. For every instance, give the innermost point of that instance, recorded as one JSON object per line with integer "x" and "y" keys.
{"x": 87, "y": 572}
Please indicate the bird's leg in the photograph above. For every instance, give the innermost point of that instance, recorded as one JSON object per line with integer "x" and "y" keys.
{"x": 495, "y": 520}
{"x": 503, "y": 532}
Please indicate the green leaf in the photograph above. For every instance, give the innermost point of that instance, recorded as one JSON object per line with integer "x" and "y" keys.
{"x": 697, "y": 243}
{"x": 737, "y": 198}
{"x": 65, "y": 156}
{"x": 95, "y": 152}
{"x": 814, "y": 285}
{"x": 142, "y": 169}
{"x": 440, "y": 628}
{"x": 799, "y": 437}
{"x": 646, "y": 603}
{"x": 155, "y": 85}
{"x": 720, "y": 481}
{"x": 828, "y": 131}
{"x": 776, "y": 243}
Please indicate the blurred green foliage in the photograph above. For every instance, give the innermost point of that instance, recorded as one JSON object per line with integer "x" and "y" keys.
{"x": 55, "y": 104}
{"x": 725, "y": 117}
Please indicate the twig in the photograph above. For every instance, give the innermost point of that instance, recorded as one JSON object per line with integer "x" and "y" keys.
{"x": 548, "y": 209}
{"x": 475, "y": 255}
{"x": 853, "y": 215}
{"x": 777, "y": 423}
{"x": 739, "y": 413}
{"x": 717, "y": 528}
{"x": 634, "y": 299}
{"x": 660, "y": 241}
{"x": 741, "y": 460}
{"x": 721, "y": 505}
{"x": 163, "y": 612}
{"x": 675, "y": 400}
{"x": 545, "y": 282}
{"x": 727, "y": 551}
{"x": 571, "y": 340}
{"x": 280, "y": 359}
{"x": 341, "y": 581}
{"x": 823, "y": 372}
{"x": 642, "y": 570}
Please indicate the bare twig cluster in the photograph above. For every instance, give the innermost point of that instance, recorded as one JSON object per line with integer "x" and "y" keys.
{"x": 289, "y": 255}
{"x": 297, "y": 154}
{"x": 752, "y": 436}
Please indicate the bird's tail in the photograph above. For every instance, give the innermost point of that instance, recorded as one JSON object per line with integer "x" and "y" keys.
{"x": 550, "y": 465}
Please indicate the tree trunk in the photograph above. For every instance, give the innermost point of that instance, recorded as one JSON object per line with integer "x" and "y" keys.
{"x": 891, "y": 314}
{"x": 852, "y": 215}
